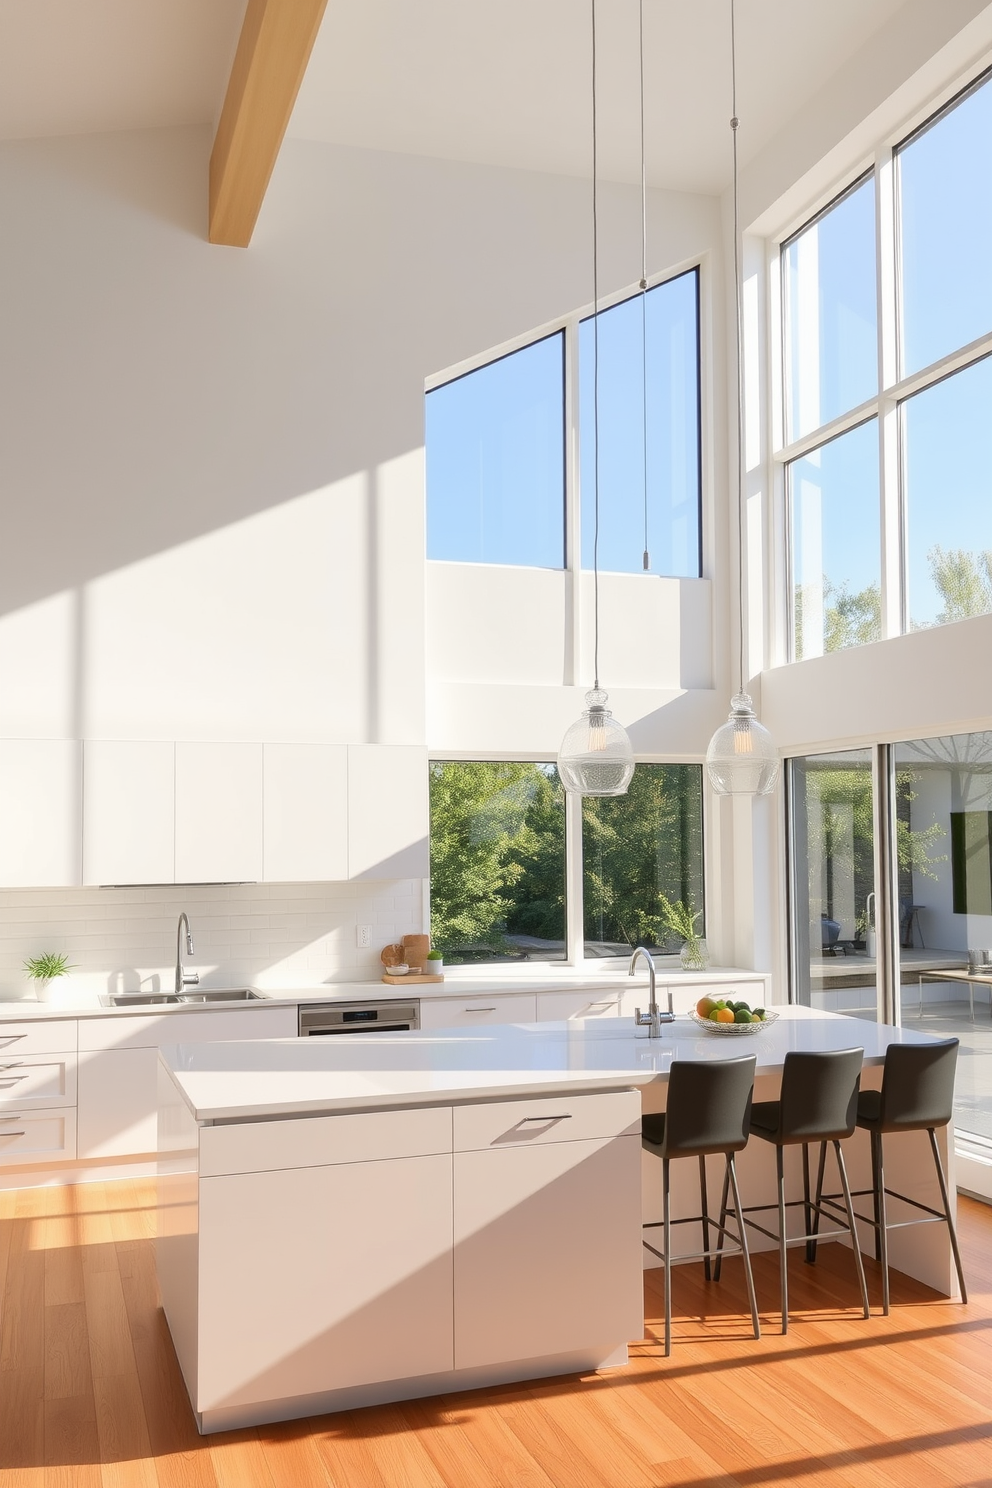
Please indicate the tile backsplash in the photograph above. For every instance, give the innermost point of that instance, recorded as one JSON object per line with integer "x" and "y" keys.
{"x": 263, "y": 935}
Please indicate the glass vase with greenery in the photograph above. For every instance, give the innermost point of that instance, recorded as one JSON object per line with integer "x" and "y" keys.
{"x": 683, "y": 922}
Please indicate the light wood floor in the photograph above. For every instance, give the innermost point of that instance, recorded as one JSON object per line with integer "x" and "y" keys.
{"x": 90, "y": 1392}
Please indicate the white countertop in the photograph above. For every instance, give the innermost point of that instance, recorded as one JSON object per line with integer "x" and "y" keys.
{"x": 311, "y": 1076}
{"x": 74, "y": 1003}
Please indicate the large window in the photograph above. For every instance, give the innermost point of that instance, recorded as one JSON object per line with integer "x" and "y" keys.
{"x": 498, "y": 861}
{"x": 500, "y": 488}
{"x": 886, "y": 437}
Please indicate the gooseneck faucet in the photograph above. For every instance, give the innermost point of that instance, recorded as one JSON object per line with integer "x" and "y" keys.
{"x": 184, "y": 978}
{"x": 653, "y": 1018}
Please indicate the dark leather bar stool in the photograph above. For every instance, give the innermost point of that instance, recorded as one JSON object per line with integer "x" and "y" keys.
{"x": 818, "y": 1103}
{"x": 917, "y": 1094}
{"x": 709, "y": 1106}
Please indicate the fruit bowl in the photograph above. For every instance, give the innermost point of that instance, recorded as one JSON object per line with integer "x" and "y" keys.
{"x": 732, "y": 1028}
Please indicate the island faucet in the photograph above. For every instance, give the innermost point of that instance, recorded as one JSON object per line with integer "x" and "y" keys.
{"x": 653, "y": 1018}
{"x": 184, "y": 978}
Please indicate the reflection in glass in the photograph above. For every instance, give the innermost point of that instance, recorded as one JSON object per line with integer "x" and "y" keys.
{"x": 947, "y": 438}
{"x": 495, "y": 451}
{"x": 637, "y": 847}
{"x": 835, "y": 544}
{"x": 830, "y": 321}
{"x": 945, "y": 905}
{"x": 672, "y": 432}
{"x": 945, "y": 224}
{"x": 833, "y": 875}
{"x": 497, "y": 861}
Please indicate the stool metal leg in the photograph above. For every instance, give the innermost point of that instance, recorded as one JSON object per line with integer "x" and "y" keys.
{"x": 807, "y": 1212}
{"x": 947, "y": 1212}
{"x": 705, "y": 1218}
{"x": 819, "y": 1195}
{"x": 881, "y": 1222}
{"x": 732, "y": 1176}
{"x": 783, "y": 1249}
{"x": 852, "y": 1225}
{"x": 723, "y": 1217}
{"x": 667, "y": 1231}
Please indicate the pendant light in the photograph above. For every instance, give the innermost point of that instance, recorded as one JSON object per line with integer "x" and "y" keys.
{"x": 596, "y": 757}
{"x": 741, "y": 759}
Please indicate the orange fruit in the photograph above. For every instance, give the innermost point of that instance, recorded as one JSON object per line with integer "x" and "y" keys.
{"x": 704, "y": 1007}
{"x": 724, "y": 1015}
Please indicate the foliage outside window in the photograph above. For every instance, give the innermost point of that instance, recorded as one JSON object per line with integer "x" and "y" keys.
{"x": 636, "y": 848}
{"x": 498, "y": 860}
{"x": 936, "y": 490}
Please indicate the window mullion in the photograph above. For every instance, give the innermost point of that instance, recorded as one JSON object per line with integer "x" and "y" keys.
{"x": 574, "y": 887}
{"x": 890, "y": 515}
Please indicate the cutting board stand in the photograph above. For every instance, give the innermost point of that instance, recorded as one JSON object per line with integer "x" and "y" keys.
{"x": 410, "y": 976}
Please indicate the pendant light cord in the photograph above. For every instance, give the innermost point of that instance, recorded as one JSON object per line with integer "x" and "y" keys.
{"x": 644, "y": 291}
{"x": 595, "y": 362}
{"x": 738, "y": 339}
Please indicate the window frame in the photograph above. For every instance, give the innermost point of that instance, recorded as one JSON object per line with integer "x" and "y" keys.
{"x": 893, "y": 388}
{"x": 568, "y": 327}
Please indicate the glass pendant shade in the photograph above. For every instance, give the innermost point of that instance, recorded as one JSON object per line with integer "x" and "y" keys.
{"x": 596, "y": 757}
{"x": 742, "y": 759}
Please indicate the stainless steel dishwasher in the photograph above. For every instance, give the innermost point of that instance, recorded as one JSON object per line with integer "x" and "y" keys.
{"x": 318, "y": 1019}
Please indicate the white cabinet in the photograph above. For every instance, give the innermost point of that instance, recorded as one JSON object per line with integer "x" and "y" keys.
{"x": 129, "y": 812}
{"x": 32, "y": 1137}
{"x": 304, "y": 812}
{"x": 218, "y": 813}
{"x": 117, "y": 1072}
{"x": 30, "y": 1082}
{"x": 477, "y": 1012}
{"x": 39, "y": 813}
{"x": 547, "y": 1228}
{"x": 321, "y": 1278}
{"x": 388, "y": 821}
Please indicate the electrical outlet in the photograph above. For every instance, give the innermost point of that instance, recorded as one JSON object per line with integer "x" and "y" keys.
{"x": 363, "y": 936}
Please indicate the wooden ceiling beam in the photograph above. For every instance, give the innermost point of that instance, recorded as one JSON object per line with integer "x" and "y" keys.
{"x": 276, "y": 40}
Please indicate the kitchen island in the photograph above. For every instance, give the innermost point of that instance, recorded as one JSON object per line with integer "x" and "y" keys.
{"x": 351, "y": 1221}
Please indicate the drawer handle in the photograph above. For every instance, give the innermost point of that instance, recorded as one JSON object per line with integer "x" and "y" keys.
{"x": 11, "y": 1118}
{"x": 9, "y": 1079}
{"x": 478, "y": 1010}
{"x": 14, "y": 1064}
{"x": 11, "y": 1038}
{"x": 564, "y": 1116}
{"x": 13, "y": 1134}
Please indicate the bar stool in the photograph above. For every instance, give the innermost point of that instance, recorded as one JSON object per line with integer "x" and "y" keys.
{"x": 917, "y": 1094}
{"x": 818, "y": 1103}
{"x": 709, "y": 1105}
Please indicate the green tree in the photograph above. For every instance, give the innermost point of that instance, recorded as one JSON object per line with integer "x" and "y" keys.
{"x": 963, "y": 580}
{"x": 848, "y": 619}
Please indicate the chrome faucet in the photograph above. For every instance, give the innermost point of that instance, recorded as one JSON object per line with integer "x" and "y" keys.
{"x": 184, "y": 978}
{"x": 653, "y": 1018}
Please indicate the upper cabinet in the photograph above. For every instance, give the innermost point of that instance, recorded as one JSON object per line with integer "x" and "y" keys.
{"x": 304, "y": 812}
{"x": 160, "y": 812}
{"x": 218, "y": 813}
{"x": 129, "y": 812}
{"x": 39, "y": 813}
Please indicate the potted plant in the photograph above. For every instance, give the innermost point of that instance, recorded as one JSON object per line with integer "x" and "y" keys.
{"x": 435, "y": 963}
{"x": 682, "y": 920}
{"x": 45, "y": 969}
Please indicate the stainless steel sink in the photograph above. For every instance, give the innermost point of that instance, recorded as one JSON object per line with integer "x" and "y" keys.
{"x": 160, "y": 999}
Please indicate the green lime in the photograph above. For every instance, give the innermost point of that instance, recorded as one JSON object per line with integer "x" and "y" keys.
{"x": 742, "y": 1016}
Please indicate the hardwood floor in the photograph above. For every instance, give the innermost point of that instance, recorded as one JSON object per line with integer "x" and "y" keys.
{"x": 90, "y": 1392}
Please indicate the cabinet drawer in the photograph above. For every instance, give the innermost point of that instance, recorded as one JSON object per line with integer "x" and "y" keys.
{"x": 554, "y": 1007}
{"x": 476, "y": 1012}
{"x": 47, "y": 1036}
{"x": 28, "y": 1081}
{"x": 534, "y": 1123}
{"x": 31, "y": 1137}
{"x": 133, "y": 1031}
{"x": 318, "y": 1141}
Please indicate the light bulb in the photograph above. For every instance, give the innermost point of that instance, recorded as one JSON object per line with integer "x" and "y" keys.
{"x": 596, "y": 757}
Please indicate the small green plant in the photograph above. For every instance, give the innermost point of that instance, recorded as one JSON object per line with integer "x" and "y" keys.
{"x": 47, "y": 967}
{"x": 680, "y": 920}
{"x": 435, "y": 955}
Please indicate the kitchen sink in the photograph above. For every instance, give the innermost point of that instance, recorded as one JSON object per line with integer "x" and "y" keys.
{"x": 160, "y": 999}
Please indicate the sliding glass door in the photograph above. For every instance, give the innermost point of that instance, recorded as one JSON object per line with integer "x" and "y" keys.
{"x": 831, "y": 810}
